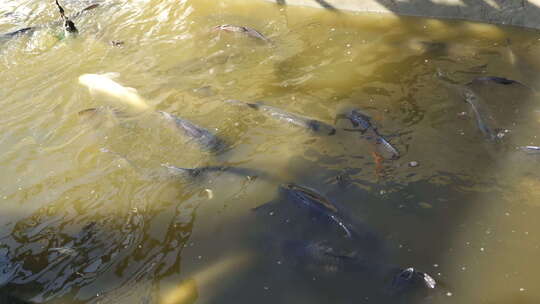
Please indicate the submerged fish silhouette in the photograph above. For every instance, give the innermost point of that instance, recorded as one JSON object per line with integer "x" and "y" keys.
{"x": 315, "y": 126}
{"x": 242, "y": 30}
{"x": 363, "y": 122}
{"x": 311, "y": 200}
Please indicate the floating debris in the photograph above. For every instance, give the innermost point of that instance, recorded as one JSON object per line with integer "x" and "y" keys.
{"x": 413, "y": 164}
{"x": 117, "y": 43}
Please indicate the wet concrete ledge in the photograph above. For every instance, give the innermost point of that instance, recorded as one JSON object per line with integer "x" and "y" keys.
{"x": 525, "y": 13}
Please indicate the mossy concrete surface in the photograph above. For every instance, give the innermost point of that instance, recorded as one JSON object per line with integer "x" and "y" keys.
{"x": 525, "y": 13}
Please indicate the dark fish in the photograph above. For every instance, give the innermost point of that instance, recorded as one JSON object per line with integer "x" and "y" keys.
{"x": 79, "y": 13}
{"x": 530, "y": 149}
{"x": 433, "y": 46}
{"x": 309, "y": 198}
{"x": 323, "y": 257}
{"x": 241, "y": 29}
{"x": 18, "y": 32}
{"x": 194, "y": 173}
{"x": 409, "y": 278}
{"x": 480, "y": 116}
{"x": 308, "y": 123}
{"x": 183, "y": 172}
{"x": 102, "y": 109}
{"x": 88, "y": 112}
{"x": 359, "y": 119}
{"x": 206, "y": 139}
{"x": 363, "y": 124}
{"x": 388, "y": 147}
{"x": 190, "y": 174}
{"x": 363, "y": 256}
{"x": 495, "y": 79}
{"x": 91, "y": 113}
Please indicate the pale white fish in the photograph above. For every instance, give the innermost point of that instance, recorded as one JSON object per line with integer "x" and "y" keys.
{"x": 103, "y": 83}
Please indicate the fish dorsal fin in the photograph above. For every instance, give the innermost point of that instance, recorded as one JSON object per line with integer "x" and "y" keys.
{"x": 112, "y": 75}
{"x": 132, "y": 90}
{"x": 313, "y": 195}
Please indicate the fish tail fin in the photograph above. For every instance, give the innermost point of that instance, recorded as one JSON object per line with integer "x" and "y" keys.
{"x": 181, "y": 172}
{"x": 253, "y": 105}
{"x": 91, "y": 6}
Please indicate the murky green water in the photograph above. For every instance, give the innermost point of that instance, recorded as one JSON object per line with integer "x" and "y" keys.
{"x": 82, "y": 226}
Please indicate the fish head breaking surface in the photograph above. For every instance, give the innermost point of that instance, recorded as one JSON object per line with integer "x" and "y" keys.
{"x": 409, "y": 279}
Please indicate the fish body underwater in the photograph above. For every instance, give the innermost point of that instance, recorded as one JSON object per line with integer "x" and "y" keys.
{"x": 242, "y": 30}
{"x": 313, "y": 125}
{"x": 204, "y": 138}
{"x": 104, "y": 84}
{"x": 363, "y": 123}
{"x": 316, "y": 249}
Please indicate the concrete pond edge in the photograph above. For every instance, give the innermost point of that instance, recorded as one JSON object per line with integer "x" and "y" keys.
{"x": 522, "y": 13}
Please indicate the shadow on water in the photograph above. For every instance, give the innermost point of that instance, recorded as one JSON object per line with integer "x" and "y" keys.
{"x": 410, "y": 233}
{"x": 51, "y": 261}
{"x": 425, "y": 213}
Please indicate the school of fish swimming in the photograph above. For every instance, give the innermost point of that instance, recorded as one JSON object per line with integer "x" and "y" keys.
{"x": 309, "y": 252}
